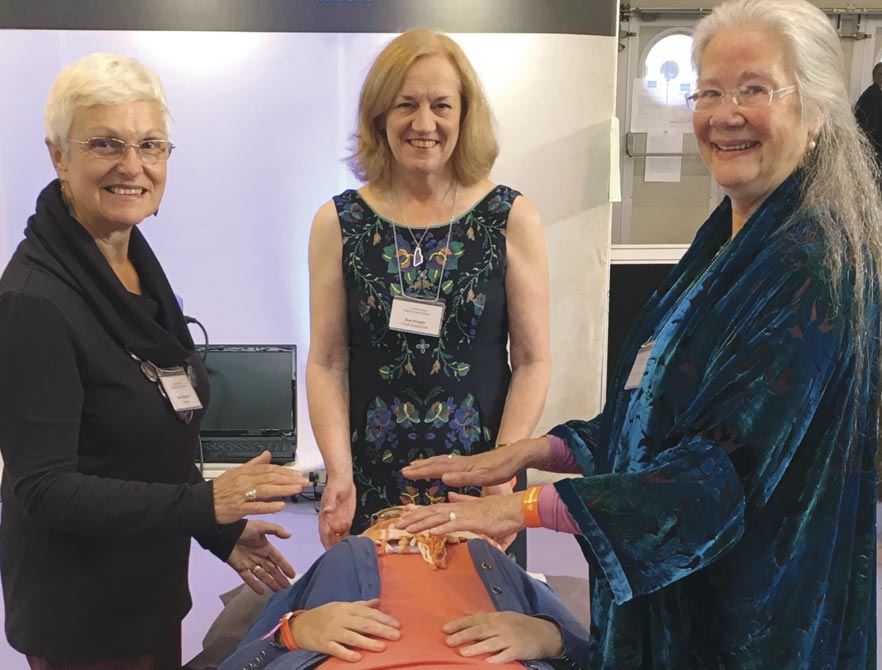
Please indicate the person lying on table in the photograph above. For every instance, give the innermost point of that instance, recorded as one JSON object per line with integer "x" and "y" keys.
{"x": 388, "y": 598}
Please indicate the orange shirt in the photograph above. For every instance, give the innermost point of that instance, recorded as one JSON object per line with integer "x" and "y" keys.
{"x": 423, "y": 600}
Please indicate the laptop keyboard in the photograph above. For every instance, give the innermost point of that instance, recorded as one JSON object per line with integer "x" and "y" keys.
{"x": 239, "y": 451}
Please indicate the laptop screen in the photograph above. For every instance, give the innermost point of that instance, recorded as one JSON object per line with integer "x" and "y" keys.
{"x": 253, "y": 391}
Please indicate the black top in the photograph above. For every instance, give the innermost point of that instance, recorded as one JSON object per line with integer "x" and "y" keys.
{"x": 868, "y": 111}
{"x": 414, "y": 396}
{"x": 100, "y": 493}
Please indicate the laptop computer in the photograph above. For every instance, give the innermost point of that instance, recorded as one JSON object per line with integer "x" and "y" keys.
{"x": 253, "y": 404}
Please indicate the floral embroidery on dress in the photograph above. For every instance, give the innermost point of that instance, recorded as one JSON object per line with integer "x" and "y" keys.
{"x": 414, "y": 396}
{"x": 466, "y": 304}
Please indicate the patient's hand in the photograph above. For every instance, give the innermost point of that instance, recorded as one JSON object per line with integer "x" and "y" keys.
{"x": 509, "y": 636}
{"x": 339, "y": 628}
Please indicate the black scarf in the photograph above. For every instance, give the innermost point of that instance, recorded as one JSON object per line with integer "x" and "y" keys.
{"x": 59, "y": 243}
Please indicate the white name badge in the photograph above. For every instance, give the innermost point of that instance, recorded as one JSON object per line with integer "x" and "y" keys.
{"x": 422, "y": 317}
{"x": 636, "y": 374}
{"x": 179, "y": 390}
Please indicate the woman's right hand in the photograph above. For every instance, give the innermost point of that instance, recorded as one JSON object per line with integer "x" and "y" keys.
{"x": 255, "y": 487}
{"x": 487, "y": 469}
{"x": 338, "y": 628}
{"x": 338, "y": 510}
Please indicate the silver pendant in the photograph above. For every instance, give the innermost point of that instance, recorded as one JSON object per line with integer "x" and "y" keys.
{"x": 417, "y": 256}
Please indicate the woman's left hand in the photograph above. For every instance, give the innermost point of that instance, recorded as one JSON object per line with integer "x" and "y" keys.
{"x": 496, "y": 516}
{"x": 257, "y": 561}
{"x": 509, "y": 636}
{"x": 488, "y": 468}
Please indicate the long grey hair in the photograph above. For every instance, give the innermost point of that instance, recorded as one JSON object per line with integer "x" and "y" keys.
{"x": 841, "y": 188}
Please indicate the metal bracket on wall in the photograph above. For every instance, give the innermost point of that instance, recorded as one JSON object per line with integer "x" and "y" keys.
{"x": 627, "y": 10}
{"x": 631, "y": 152}
{"x": 848, "y": 26}
{"x": 649, "y": 14}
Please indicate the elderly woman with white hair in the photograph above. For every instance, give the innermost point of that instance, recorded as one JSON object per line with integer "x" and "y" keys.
{"x": 727, "y": 498}
{"x": 101, "y": 398}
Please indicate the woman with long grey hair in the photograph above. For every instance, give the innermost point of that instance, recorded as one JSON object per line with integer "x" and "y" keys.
{"x": 727, "y": 497}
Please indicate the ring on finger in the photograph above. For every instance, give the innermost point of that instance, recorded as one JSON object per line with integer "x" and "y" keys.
{"x": 452, "y": 516}
{"x": 256, "y": 569}
{"x": 251, "y": 495}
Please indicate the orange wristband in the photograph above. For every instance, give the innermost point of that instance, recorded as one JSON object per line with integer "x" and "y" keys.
{"x": 286, "y": 635}
{"x": 530, "y": 507}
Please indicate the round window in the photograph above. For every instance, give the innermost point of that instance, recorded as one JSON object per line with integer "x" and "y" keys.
{"x": 667, "y": 70}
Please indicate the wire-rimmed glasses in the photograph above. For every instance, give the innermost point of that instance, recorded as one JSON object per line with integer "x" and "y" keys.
{"x": 113, "y": 148}
{"x": 751, "y": 95}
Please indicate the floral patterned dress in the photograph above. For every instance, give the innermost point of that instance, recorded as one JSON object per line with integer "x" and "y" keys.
{"x": 414, "y": 396}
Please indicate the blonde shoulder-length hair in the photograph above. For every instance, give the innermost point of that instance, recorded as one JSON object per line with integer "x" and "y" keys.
{"x": 477, "y": 147}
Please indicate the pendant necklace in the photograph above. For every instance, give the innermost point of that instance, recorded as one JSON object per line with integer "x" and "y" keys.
{"x": 411, "y": 313}
{"x": 418, "y": 244}
{"x": 443, "y": 264}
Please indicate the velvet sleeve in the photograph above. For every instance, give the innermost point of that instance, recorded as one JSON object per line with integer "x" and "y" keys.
{"x": 41, "y": 400}
{"x": 742, "y": 422}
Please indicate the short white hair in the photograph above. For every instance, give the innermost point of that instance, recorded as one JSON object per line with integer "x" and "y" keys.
{"x": 99, "y": 79}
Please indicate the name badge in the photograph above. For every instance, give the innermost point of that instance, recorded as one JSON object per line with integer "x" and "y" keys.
{"x": 639, "y": 367}
{"x": 179, "y": 390}
{"x": 422, "y": 317}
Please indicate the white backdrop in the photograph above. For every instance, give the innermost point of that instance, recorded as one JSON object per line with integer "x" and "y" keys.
{"x": 262, "y": 122}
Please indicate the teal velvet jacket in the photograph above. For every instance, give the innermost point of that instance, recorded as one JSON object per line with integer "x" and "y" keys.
{"x": 727, "y": 506}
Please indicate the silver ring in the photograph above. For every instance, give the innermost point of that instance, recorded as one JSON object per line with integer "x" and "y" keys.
{"x": 251, "y": 495}
{"x": 255, "y": 569}
{"x": 452, "y": 516}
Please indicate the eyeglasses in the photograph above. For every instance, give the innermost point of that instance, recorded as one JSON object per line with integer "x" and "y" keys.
{"x": 112, "y": 148}
{"x": 752, "y": 95}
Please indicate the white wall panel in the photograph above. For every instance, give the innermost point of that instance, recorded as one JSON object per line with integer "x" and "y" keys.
{"x": 262, "y": 122}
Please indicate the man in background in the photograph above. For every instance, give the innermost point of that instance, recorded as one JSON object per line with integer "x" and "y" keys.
{"x": 868, "y": 111}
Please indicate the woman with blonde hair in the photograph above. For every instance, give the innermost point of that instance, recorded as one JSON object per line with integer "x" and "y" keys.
{"x": 418, "y": 282}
